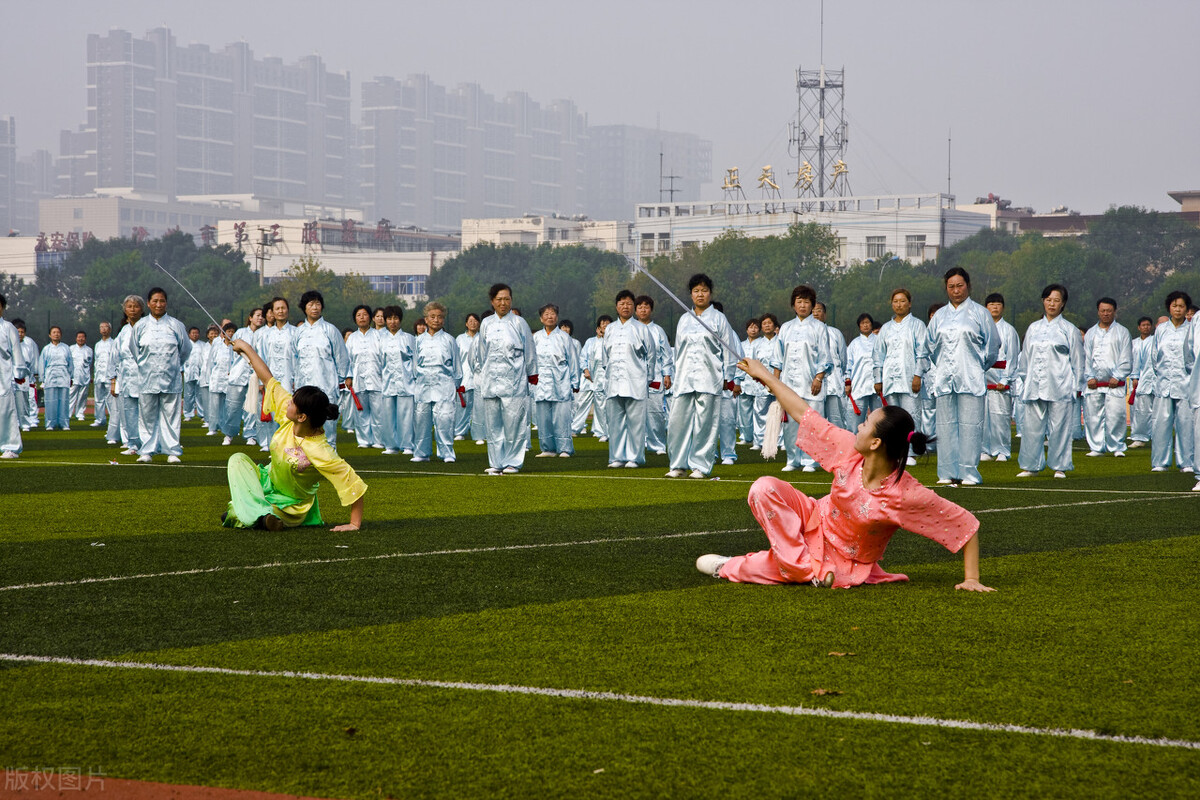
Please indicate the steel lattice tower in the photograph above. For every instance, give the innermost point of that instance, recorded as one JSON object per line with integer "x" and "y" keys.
{"x": 820, "y": 134}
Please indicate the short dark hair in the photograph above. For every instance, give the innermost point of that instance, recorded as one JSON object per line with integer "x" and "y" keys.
{"x": 774, "y": 319}
{"x": 625, "y": 293}
{"x": 358, "y": 308}
{"x": 393, "y": 311}
{"x": 1056, "y": 287}
{"x": 804, "y": 292}
{"x": 1178, "y": 294}
{"x": 603, "y": 318}
{"x": 3, "y": 301}
{"x": 566, "y": 323}
{"x": 950, "y": 273}
{"x": 496, "y": 288}
{"x": 309, "y": 296}
{"x": 18, "y": 323}
{"x": 865, "y": 316}
{"x": 1144, "y": 319}
{"x": 548, "y": 307}
{"x": 193, "y": 328}
{"x": 994, "y": 297}
{"x": 755, "y": 321}
{"x": 156, "y": 290}
{"x": 468, "y": 316}
{"x": 900, "y": 290}
{"x": 643, "y": 298}
{"x": 700, "y": 279}
{"x": 229, "y": 326}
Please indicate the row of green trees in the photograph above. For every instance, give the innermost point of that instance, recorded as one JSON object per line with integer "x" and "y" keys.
{"x": 1133, "y": 255}
{"x": 92, "y": 283}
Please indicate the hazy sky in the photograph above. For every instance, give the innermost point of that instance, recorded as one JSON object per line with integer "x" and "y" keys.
{"x": 1049, "y": 102}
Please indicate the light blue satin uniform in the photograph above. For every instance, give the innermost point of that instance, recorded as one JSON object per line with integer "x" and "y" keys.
{"x": 963, "y": 344}
{"x": 437, "y": 376}
{"x": 860, "y": 370}
{"x": 558, "y": 371}
{"x": 656, "y": 400}
{"x": 805, "y": 353}
{"x": 397, "y": 423}
{"x": 997, "y": 428}
{"x": 1107, "y": 354}
{"x": 56, "y": 366}
{"x": 630, "y": 355}
{"x": 160, "y": 346}
{"x": 702, "y": 367}
{"x": 12, "y": 368}
{"x": 220, "y": 358}
{"x": 105, "y": 352}
{"x": 321, "y": 361}
{"x": 1191, "y": 352}
{"x": 901, "y": 353}
{"x": 1171, "y": 422}
{"x": 1143, "y": 398}
{"x": 503, "y": 357}
{"x": 837, "y": 408}
{"x": 277, "y": 348}
{"x": 759, "y": 397}
{"x": 591, "y": 390}
{"x": 192, "y": 401}
{"x": 366, "y": 368}
{"x": 27, "y": 394}
{"x": 469, "y": 422}
{"x": 124, "y": 372}
{"x": 237, "y": 419}
{"x": 1052, "y": 376}
{"x": 81, "y": 377}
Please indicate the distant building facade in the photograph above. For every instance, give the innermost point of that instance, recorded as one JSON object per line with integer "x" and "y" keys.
{"x": 8, "y": 174}
{"x": 628, "y": 165}
{"x": 534, "y": 230}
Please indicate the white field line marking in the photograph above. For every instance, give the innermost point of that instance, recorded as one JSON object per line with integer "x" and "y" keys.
{"x": 1080, "y": 503}
{"x": 582, "y": 694}
{"x": 408, "y": 473}
{"x": 380, "y": 557}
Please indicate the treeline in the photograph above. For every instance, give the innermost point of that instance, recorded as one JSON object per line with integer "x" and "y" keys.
{"x": 93, "y": 282}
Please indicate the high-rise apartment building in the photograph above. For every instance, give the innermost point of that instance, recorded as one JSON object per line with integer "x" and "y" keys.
{"x": 432, "y": 156}
{"x": 186, "y": 120}
{"x": 630, "y": 165}
{"x": 8, "y": 174}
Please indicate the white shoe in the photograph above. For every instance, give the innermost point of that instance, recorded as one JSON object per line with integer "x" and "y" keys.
{"x": 603, "y": 439}
{"x": 1002, "y": 458}
{"x": 675, "y": 473}
{"x": 1060, "y": 474}
{"x": 1094, "y": 453}
{"x": 480, "y": 441}
{"x": 970, "y": 482}
{"x": 144, "y": 459}
{"x": 252, "y": 442}
{"x": 379, "y": 446}
{"x": 944, "y": 482}
{"x": 564, "y": 455}
{"x": 1119, "y": 454}
{"x": 711, "y": 563}
{"x": 13, "y": 454}
{"x": 110, "y": 441}
{"x": 984, "y": 457}
{"x": 173, "y": 460}
{"x": 95, "y": 425}
{"x": 912, "y": 462}
{"x": 697, "y": 475}
{"x": 129, "y": 451}
{"x": 1158, "y": 469}
{"x": 1195, "y": 488}
{"x": 390, "y": 452}
{"x": 1187, "y": 470}
{"x": 212, "y": 432}
{"x": 1136, "y": 443}
{"x": 418, "y": 460}
{"x": 808, "y": 468}
{"x": 1022, "y": 474}
{"x": 266, "y": 448}
{"x": 458, "y": 438}
{"x": 727, "y": 462}
{"x": 491, "y": 471}
{"x": 25, "y": 428}
{"x": 788, "y": 468}
{"x": 631, "y": 465}
{"x": 406, "y": 452}
{"x": 226, "y": 441}
{"x": 615, "y": 464}
{"x": 546, "y": 454}
{"x": 754, "y": 447}
{"x": 511, "y": 470}
{"x": 660, "y": 452}
{"x": 80, "y": 418}
{"x": 448, "y": 460}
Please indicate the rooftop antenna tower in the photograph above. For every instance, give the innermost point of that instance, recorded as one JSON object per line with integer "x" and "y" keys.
{"x": 818, "y": 137}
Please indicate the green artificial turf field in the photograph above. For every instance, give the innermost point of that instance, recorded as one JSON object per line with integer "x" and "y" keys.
{"x": 547, "y": 635}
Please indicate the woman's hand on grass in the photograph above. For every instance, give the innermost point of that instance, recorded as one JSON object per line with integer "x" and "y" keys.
{"x": 973, "y": 585}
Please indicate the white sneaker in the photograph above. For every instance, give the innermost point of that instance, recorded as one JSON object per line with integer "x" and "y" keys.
{"x": 1060, "y": 474}
{"x": 389, "y": 452}
{"x": 788, "y": 468}
{"x": 1119, "y": 454}
{"x": 266, "y": 448}
{"x": 1195, "y": 488}
{"x": 144, "y": 459}
{"x": 660, "y": 452}
{"x": 1022, "y": 474}
{"x": 970, "y": 482}
{"x": 1136, "y": 443}
{"x": 252, "y": 442}
{"x": 480, "y": 441}
{"x": 212, "y": 432}
{"x": 491, "y": 471}
{"x": 1158, "y": 469}
{"x": 697, "y": 475}
{"x": 226, "y": 441}
{"x": 984, "y": 457}
{"x": 448, "y": 460}
{"x": 615, "y": 464}
{"x": 944, "y": 482}
{"x": 603, "y": 439}
{"x": 808, "y": 468}
{"x": 727, "y": 462}
{"x": 110, "y": 441}
{"x": 458, "y": 438}
{"x": 675, "y": 473}
{"x": 1094, "y": 453}
{"x": 406, "y": 452}
{"x": 95, "y": 425}
{"x": 129, "y": 451}
{"x": 1187, "y": 470}
{"x": 173, "y": 460}
{"x": 511, "y": 470}
{"x": 711, "y": 563}
{"x": 13, "y": 454}
{"x": 379, "y": 446}
{"x": 546, "y": 454}
{"x": 631, "y": 465}
{"x": 564, "y": 455}
{"x": 912, "y": 462}
{"x": 418, "y": 460}
{"x": 754, "y": 447}
{"x": 1002, "y": 458}
{"x": 25, "y": 428}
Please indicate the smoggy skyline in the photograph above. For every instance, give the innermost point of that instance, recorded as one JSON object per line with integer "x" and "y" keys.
{"x": 1084, "y": 105}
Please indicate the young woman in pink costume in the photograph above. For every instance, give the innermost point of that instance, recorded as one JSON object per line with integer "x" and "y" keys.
{"x": 838, "y": 540}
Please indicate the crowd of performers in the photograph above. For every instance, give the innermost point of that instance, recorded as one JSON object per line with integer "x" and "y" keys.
{"x": 964, "y": 375}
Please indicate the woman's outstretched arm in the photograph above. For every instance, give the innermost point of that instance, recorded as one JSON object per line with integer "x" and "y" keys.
{"x": 970, "y": 553}
{"x": 792, "y": 403}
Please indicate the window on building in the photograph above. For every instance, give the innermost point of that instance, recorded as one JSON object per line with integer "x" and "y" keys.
{"x": 77, "y": 213}
{"x": 876, "y": 246}
{"x": 914, "y": 246}
{"x": 841, "y": 250}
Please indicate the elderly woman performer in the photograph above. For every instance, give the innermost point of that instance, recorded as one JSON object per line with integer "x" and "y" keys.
{"x": 963, "y": 344}
{"x": 1052, "y": 364}
{"x": 160, "y": 345}
{"x": 504, "y": 360}
{"x": 1171, "y": 422}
